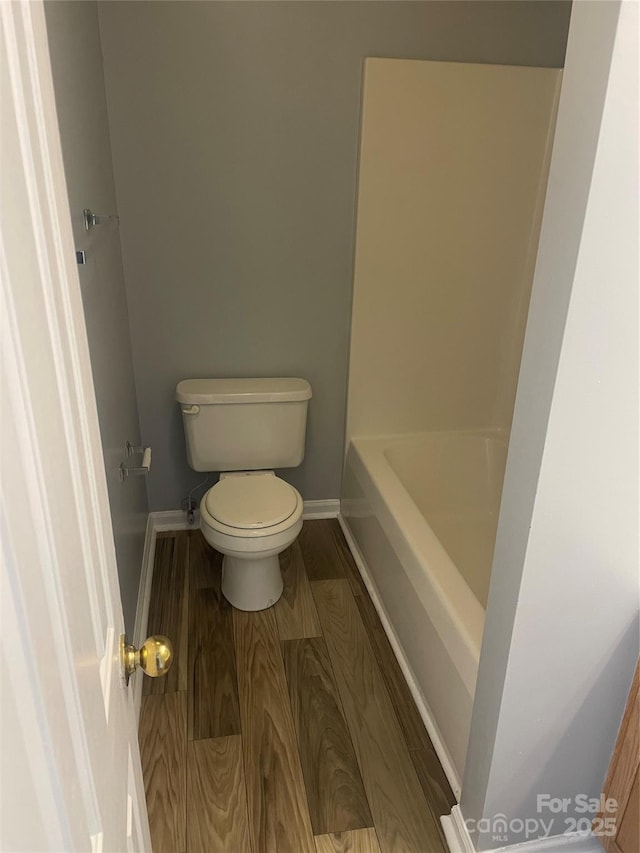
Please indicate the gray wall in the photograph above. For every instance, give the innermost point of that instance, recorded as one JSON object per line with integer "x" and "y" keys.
{"x": 234, "y": 129}
{"x": 561, "y": 636}
{"x": 74, "y": 45}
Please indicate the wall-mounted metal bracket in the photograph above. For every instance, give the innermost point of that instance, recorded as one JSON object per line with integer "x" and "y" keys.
{"x": 143, "y": 469}
{"x": 90, "y": 219}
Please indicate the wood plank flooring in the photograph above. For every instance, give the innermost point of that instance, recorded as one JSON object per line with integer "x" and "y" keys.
{"x": 167, "y": 612}
{"x": 359, "y": 841}
{"x": 213, "y": 689}
{"x": 291, "y": 729}
{"x": 295, "y": 610}
{"x": 216, "y": 796}
{"x": 278, "y": 813}
{"x": 390, "y": 779}
{"x": 336, "y": 798}
{"x": 163, "y": 748}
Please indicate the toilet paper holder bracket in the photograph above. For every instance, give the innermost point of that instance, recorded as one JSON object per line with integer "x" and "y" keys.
{"x": 142, "y": 469}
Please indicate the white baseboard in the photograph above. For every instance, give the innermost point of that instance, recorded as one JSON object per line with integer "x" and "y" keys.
{"x": 329, "y": 508}
{"x": 456, "y": 833}
{"x": 459, "y": 840}
{"x": 423, "y": 709}
{"x": 174, "y": 519}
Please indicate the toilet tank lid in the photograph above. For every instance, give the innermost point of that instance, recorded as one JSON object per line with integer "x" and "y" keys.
{"x": 214, "y": 391}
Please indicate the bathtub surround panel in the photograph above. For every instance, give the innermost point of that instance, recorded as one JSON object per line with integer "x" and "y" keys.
{"x": 453, "y": 166}
{"x": 75, "y": 50}
{"x": 455, "y": 481}
{"x": 235, "y": 140}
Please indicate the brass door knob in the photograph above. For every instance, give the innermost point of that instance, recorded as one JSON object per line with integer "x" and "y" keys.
{"x": 154, "y": 656}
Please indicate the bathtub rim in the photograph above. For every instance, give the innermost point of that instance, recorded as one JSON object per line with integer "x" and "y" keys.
{"x": 455, "y": 612}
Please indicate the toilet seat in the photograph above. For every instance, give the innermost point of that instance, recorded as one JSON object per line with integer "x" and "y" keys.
{"x": 250, "y": 506}
{"x": 250, "y": 501}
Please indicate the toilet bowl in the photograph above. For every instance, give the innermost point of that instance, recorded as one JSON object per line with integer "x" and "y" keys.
{"x": 251, "y": 517}
{"x": 244, "y": 429}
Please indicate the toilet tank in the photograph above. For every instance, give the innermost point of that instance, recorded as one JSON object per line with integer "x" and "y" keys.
{"x": 244, "y": 424}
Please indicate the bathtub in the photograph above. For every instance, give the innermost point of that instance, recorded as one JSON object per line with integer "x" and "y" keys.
{"x": 420, "y": 513}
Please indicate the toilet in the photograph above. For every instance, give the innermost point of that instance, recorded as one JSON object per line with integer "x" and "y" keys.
{"x": 244, "y": 429}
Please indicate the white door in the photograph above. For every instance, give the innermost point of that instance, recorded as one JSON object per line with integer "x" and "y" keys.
{"x": 70, "y": 768}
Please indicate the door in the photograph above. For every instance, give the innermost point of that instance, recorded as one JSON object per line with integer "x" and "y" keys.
{"x": 70, "y": 768}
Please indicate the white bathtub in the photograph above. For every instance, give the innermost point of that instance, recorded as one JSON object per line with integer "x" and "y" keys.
{"x": 421, "y": 512}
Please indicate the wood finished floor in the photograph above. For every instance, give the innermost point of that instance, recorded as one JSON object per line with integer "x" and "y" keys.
{"x": 290, "y": 730}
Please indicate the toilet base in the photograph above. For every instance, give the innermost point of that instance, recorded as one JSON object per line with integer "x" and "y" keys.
{"x": 252, "y": 584}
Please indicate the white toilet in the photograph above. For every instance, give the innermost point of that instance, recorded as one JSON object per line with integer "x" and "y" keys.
{"x": 244, "y": 428}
